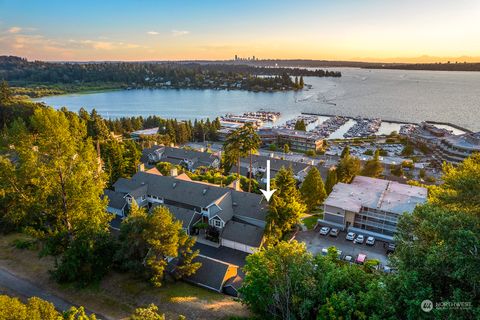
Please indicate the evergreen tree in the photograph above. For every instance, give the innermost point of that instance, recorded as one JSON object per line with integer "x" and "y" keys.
{"x": 300, "y": 125}
{"x": 5, "y": 93}
{"x": 348, "y": 168}
{"x": 286, "y": 205}
{"x": 313, "y": 189}
{"x": 345, "y": 152}
{"x": 301, "y": 83}
{"x": 331, "y": 180}
{"x": 250, "y": 143}
{"x": 373, "y": 168}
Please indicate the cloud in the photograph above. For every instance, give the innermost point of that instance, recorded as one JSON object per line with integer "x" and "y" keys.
{"x": 179, "y": 33}
{"x": 152, "y": 33}
{"x": 14, "y": 30}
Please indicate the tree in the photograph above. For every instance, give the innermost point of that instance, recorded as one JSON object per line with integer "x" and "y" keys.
{"x": 345, "y": 152}
{"x": 87, "y": 259}
{"x": 233, "y": 148}
{"x": 148, "y": 240}
{"x": 313, "y": 189}
{"x": 37, "y": 309}
{"x": 5, "y": 93}
{"x": 250, "y": 143}
{"x": 300, "y": 125}
{"x": 286, "y": 206}
{"x": 461, "y": 188}
{"x": 437, "y": 259}
{"x": 287, "y": 282}
{"x": 56, "y": 177}
{"x": 279, "y": 282}
{"x": 331, "y": 180}
{"x": 301, "y": 83}
{"x": 348, "y": 168}
{"x": 149, "y": 313}
{"x": 373, "y": 167}
{"x": 286, "y": 148}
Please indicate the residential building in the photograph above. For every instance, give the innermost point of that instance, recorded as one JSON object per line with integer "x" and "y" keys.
{"x": 238, "y": 217}
{"x": 456, "y": 148}
{"x": 371, "y": 206}
{"x": 259, "y": 166}
{"x": 215, "y": 275}
{"x": 145, "y": 132}
{"x": 190, "y": 159}
{"x": 297, "y": 140}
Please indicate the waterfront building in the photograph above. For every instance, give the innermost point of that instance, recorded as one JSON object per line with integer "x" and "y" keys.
{"x": 297, "y": 140}
{"x": 456, "y": 148}
{"x": 371, "y": 206}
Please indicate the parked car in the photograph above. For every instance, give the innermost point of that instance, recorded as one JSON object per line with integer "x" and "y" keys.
{"x": 324, "y": 231}
{"x": 334, "y": 232}
{"x": 350, "y": 236}
{"x": 390, "y": 247}
{"x": 370, "y": 241}
{"x": 348, "y": 258}
{"x": 361, "y": 258}
{"x": 359, "y": 239}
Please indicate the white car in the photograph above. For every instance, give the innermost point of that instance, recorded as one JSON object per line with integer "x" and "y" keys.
{"x": 350, "y": 236}
{"x": 370, "y": 241}
{"x": 359, "y": 239}
{"x": 324, "y": 231}
{"x": 334, "y": 232}
{"x": 348, "y": 258}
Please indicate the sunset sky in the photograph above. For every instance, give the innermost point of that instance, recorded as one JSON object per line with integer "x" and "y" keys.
{"x": 379, "y": 30}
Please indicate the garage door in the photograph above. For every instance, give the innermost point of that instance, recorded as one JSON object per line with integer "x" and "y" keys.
{"x": 240, "y": 246}
{"x": 228, "y": 243}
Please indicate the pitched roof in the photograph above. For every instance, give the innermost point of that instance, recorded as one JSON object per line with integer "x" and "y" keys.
{"x": 250, "y": 205}
{"x": 243, "y": 233}
{"x": 186, "y": 216}
{"x": 199, "y": 158}
{"x": 115, "y": 199}
{"x": 276, "y": 164}
{"x": 213, "y": 273}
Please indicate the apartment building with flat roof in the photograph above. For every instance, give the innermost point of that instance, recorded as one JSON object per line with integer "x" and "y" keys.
{"x": 371, "y": 206}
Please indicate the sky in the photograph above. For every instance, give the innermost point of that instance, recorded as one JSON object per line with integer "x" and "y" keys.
{"x": 361, "y": 30}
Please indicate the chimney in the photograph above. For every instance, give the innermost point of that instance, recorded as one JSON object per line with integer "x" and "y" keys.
{"x": 174, "y": 172}
{"x": 141, "y": 167}
{"x": 235, "y": 185}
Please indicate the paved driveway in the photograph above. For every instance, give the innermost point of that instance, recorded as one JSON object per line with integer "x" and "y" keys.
{"x": 316, "y": 242}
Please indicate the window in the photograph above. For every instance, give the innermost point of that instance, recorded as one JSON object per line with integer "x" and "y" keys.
{"x": 217, "y": 223}
{"x": 144, "y": 197}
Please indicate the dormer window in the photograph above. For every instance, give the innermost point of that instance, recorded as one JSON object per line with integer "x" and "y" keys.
{"x": 144, "y": 197}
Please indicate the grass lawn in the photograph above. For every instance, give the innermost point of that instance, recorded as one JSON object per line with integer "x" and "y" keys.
{"x": 310, "y": 220}
{"x": 119, "y": 294}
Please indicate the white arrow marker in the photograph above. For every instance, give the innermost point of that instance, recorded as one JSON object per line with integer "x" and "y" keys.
{"x": 268, "y": 194}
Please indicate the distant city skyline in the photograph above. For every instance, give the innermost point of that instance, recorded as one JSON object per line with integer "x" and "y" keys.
{"x": 370, "y": 30}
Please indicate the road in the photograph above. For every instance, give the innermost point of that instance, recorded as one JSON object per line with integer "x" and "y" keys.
{"x": 24, "y": 288}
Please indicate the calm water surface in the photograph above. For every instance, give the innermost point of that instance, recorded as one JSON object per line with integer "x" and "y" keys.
{"x": 400, "y": 95}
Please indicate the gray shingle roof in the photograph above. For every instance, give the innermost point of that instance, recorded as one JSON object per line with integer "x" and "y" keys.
{"x": 212, "y": 274}
{"x": 243, "y": 233}
{"x": 186, "y": 216}
{"x": 249, "y": 205}
{"x": 115, "y": 199}
{"x": 192, "y": 193}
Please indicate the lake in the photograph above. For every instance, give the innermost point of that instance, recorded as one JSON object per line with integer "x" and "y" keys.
{"x": 400, "y": 95}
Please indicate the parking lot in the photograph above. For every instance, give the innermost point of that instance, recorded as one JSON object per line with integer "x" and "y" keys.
{"x": 316, "y": 242}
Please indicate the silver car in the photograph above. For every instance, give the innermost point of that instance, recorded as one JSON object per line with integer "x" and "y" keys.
{"x": 350, "y": 236}
{"x": 324, "y": 231}
{"x": 370, "y": 241}
{"x": 359, "y": 239}
{"x": 334, "y": 232}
